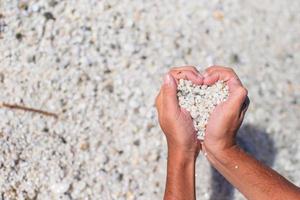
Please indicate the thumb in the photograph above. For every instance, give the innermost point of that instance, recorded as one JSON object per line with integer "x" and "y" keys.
{"x": 169, "y": 93}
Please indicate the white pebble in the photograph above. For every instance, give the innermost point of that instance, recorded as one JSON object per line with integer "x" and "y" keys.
{"x": 60, "y": 188}
{"x": 200, "y": 100}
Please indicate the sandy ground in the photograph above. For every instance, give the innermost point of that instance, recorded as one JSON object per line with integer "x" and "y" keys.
{"x": 98, "y": 65}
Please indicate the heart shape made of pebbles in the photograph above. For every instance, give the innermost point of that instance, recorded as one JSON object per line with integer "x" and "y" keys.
{"x": 200, "y": 100}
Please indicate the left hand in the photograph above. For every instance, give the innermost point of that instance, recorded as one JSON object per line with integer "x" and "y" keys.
{"x": 175, "y": 121}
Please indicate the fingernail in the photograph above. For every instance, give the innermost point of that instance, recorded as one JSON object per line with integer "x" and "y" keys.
{"x": 167, "y": 79}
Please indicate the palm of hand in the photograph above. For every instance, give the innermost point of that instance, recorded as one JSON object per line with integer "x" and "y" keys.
{"x": 188, "y": 132}
{"x": 221, "y": 127}
{"x": 182, "y": 132}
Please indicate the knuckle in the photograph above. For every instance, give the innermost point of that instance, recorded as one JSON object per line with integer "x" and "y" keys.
{"x": 246, "y": 91}
{"x": 243, "y": 92}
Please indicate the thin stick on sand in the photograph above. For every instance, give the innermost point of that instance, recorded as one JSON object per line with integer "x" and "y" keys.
{"x": 24, "y": 108}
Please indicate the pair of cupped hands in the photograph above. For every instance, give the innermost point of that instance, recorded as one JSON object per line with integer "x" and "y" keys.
{"x": 224, "y": 120}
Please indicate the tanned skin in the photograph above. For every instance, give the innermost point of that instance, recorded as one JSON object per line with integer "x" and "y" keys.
{"x": 253, "y": 179}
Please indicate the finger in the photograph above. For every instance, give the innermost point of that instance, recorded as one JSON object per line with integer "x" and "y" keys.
{"x": 187, "y": 75}
{"x": 187, "y": 68}
{"x": 216, "y": 67}
{"x": 190, "y": 68}
{"x": 210, "y": 79}
{"x": 214, "y": 74}
{"x": 237, "y": 93}
{"x": 169, "y": 94}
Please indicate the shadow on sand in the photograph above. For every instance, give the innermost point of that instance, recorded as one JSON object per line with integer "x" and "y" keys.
{"x": 257, "y": 143}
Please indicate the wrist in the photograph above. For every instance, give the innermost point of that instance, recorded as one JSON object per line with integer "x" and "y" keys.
{"x": 222, "y": 156}
{"x": 184, "y": 151}
{"x": 181, "y": 156}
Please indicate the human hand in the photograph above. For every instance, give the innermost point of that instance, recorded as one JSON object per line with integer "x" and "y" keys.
{"x": 239, "y": 168}
{"x": 175, "y": 121}
{"x": 227, "y": 117}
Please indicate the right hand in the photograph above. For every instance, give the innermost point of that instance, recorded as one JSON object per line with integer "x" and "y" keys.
{"x": 227, "y": 117}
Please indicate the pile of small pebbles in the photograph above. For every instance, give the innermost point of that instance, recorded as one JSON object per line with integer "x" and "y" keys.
{"x": 200, "y": 100}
